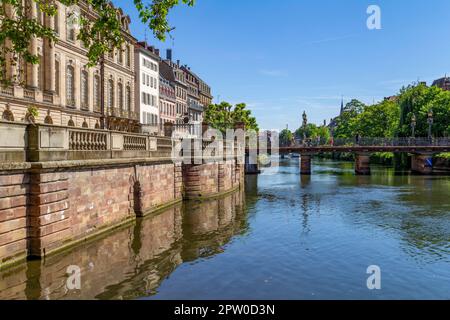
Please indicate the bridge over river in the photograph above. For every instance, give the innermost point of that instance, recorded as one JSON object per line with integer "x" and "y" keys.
{"x": 421, "y": 149}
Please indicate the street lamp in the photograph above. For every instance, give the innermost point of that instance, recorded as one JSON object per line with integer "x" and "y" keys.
{"x": 430, "y": 122}
{"x": 413, "y": 125}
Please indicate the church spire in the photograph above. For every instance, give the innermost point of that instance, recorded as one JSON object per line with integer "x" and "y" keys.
{"x": 342, "y": 105}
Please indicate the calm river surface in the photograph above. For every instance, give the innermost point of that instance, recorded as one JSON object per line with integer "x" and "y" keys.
{"x": 284, "y": 237}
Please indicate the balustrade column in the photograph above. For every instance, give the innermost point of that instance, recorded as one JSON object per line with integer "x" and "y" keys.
{"x": 49, "y": 58}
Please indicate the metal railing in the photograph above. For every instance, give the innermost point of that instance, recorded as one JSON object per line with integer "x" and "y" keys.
{"x": 374, "y": 142}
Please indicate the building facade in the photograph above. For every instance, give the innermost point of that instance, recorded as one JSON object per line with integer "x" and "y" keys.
{"x": 195, "y": 108}
{"x": 167, "y": 102}
{"x": 147, "y": 85}
{"x": 205, "y": 94}
{"x": 62, "y": 88}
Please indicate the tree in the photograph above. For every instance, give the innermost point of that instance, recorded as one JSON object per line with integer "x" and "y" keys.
{"x": 313, "y": 131}
{"x": 99, "y": 36}
{"x": 346, "y": 122}
{"x": 378, "y": 120}
{"x": 222, "y": 116}
{"x": 418, "y": 100}
{"x": 286, "y": 137}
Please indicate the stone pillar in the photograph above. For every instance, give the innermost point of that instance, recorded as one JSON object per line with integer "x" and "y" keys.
{"x": 305, "y": 164}
{"x": 422, "y": 163}
{"x": 178, "y": 181}
{"x": 33, "y": 74}
{"x": 49, "y": 213}
{"x": 362, "y": 164}
{"x": 49, "y": 59}
{"x": 221, "y": 178}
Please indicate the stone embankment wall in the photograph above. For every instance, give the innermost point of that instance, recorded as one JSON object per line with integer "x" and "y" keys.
{"x": 50, "y": 206}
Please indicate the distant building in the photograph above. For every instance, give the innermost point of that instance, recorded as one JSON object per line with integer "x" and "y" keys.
{"x": 172, "y": 71}
{"x": 443, "y": 83}
{"x": 147, "y": 84}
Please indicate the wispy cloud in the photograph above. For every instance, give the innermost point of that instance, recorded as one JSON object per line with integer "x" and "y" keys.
{"x": 273, "y": 73}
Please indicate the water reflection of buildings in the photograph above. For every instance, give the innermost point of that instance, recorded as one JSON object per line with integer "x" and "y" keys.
{"x": 133, "y": 261}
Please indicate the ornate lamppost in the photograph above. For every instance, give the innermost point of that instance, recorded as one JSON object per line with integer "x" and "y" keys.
{"x": 413, "y": 126}
{"x": 430, "y": 123}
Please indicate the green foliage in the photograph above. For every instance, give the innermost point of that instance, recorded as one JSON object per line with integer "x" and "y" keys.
{"x": 379, "y": 120}
{"x": 419, "y": 100}
{"x": 286, "y": 137}
{"x": 223, "y": 116}
{"x": 33, "y": 111}
{"x": 346, "y": 122}
{"x": 100, "y": 36}
{"x": 313, "y": 131}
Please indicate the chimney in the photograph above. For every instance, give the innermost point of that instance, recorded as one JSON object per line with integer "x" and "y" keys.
{"x": 157, "y": 52}
{"x": 178, "y": 62}
{"x": 169, "y": 54}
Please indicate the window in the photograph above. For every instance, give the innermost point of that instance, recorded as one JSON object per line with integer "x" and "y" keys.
{"x": 97, "y": 92}
{"x": 84, "y": 89}
{"x": 40, "y": 74}
{"x": 70, "y": 89}
{"x": 128, "y": 56}
{"x": 143, "y": 78}
{"x": 120, "y": 57}
{"x": 56, "y": 20}
{"x": 70, "y": 25}
{"x": 111, "y": 93}
{"x": 120, "y": 95}
{"x": 128, "y": 98}
{"x": 57, "y": 85}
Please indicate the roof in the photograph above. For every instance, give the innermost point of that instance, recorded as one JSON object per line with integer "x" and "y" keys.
{"x": 166, "y": 71}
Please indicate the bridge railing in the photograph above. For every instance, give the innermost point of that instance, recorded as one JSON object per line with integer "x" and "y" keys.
{"x": 374, "y": 142}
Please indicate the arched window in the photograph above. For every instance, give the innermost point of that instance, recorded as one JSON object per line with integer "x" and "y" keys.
{"x": 85, "y": 124}
{"x": 120, "y": 95}
{"x": 71, "y": 123}
{"x": 111, "y": 93}
{"x": 128, "y": 98}
{"x": 40, "y": 73}
{"x": 56, "y": 20}
{"x": 70, "y": 89}
{"x": 84, "y": 89}
{"x": 97, "y": 125}
{"x": 96, "y": 93}
{"x": 70, "y": 25}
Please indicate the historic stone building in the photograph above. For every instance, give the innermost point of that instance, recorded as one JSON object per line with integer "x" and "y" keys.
{"x": 167, "y": 102}
{"x": 172, "y": 71}
{"x": 63, "y": 89}
{"x": 204, "y": 93}
{"x": 195, "y": 108}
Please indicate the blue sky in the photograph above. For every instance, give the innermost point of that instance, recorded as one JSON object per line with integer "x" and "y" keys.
{"x": 283, "y": 57}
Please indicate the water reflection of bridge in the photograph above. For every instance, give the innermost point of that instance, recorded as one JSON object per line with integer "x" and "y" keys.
{"x": 133, "y": 261}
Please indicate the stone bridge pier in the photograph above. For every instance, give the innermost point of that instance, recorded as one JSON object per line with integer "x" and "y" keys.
{"x": 422, "y": 163}
{"x": 305, "y": 163}
{"x": 362, "y": 163}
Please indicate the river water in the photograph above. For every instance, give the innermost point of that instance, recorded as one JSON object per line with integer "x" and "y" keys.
{"x": 283, "y": 237}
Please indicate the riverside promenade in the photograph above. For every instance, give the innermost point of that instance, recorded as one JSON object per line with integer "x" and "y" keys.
{"x": 60, "y": 186}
